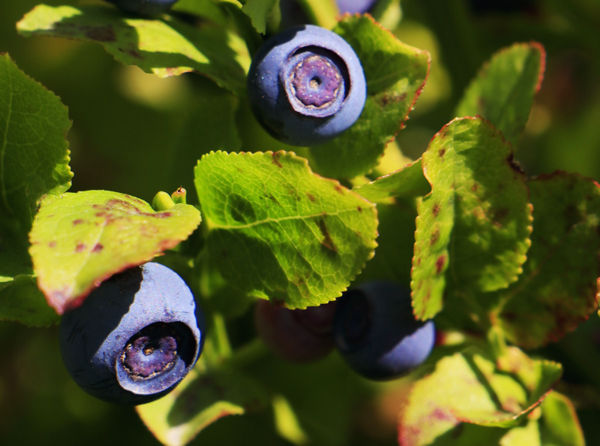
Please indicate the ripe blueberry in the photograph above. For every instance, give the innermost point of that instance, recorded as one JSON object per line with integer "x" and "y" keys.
{"x": 144, "y": 7}
{"x": 306, "y": 85}
{"x": 353, "y": 6}
{"x": 376, "y": 332}
{"x": 296, "y": 335}
{"x": 134, "y": 337}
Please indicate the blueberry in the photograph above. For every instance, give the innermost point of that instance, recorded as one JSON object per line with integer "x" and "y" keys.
{"x": 376, "y": 333}
{"x": 134, "y": 337}
{"x": 353, "y": 6}
{"x": 144, "y": 7}
{"x": 306, "y": 85}
{"x": 296, "y": 335}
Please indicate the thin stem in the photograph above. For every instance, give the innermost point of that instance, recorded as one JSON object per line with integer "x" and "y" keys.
{"x": 220, "y": 336}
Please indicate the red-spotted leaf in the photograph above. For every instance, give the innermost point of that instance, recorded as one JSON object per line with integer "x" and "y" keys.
{"x": 469, "y": 387}
{"x": 80, "y": 239}
{"x": 503, "y": 90}
{"x": 395, "y": 74}
{"x": 472, "y": 230}
{"x": 559, "y": 285}
{"x": 276, "y": 230}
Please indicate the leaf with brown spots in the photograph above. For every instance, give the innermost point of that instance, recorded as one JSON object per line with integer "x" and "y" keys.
{"x": 165, "y": 47}
{"x": 559, "y": 285}
{"x": 470, "y": 387}
{"x": 80, "y": 239}
{"x": 279, "y": 231}
{"x": 472, "y": 230}
{"x": 395, "y": 74}
{"x": 503, "y": 90}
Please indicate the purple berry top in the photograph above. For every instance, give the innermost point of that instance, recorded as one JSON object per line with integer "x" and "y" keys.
{"x": 314, "y": 85}
{"x": 150, "y": 353}
{"x": 306, "y": 85}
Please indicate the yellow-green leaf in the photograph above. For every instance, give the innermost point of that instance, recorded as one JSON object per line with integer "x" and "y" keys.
{"x": 80, "y": 239}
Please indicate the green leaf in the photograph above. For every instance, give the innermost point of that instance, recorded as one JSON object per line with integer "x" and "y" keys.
{"x": 408, "y": 182}
{"x": 559, "y": 285}
{"x": 472, "y": 231}
{"x": 560, "y": 425}
{"x": 321, "y": 12}
{"x": 504, "y": 88}
{"x": 395, "y": 74}
{"x": 469, "y": 435}
{"x": 526, "y": 435}
{"x": 22, "y": 301}
{"x": 259, "y": 11}
{"x": 164, "y": 46}
{"x": 34, "y": 159}
{"x": 278, "y": 231}
{"x": 202, "y": 398}
{"x": 202, "y": 8}
{"x": 236, "y": 3}
{"x": 468, "y": 387}
{"x": 80, "y": 239}
{"x": 286, "y": 421}
{"x": 535, "y": 375}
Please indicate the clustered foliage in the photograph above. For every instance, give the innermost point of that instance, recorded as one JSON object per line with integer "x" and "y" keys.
{"x": 313, "y": 247}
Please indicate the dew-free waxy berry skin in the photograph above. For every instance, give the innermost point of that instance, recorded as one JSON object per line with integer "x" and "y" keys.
{"x": 376, "y": 333}
{"x": 354, "y": 6}
{"x": 306, "y": 85}
{"x": 144, "y": 7}
{"x": 135, "y": 337}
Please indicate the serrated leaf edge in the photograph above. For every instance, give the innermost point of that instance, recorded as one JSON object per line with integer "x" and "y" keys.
{"x": 513, "y": 165}
{"x": 69, "y": 302}
{"x": 276, "y": 155}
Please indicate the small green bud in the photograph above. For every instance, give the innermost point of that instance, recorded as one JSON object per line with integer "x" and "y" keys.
{"x": 162, "y": 201}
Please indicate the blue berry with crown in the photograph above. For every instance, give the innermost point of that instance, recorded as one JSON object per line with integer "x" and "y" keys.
{"x": 306, "y": 85}
{"x": 135, "y": 337}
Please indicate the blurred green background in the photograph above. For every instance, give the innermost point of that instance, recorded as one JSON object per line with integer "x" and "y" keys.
{"x": 127, "y": 134}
